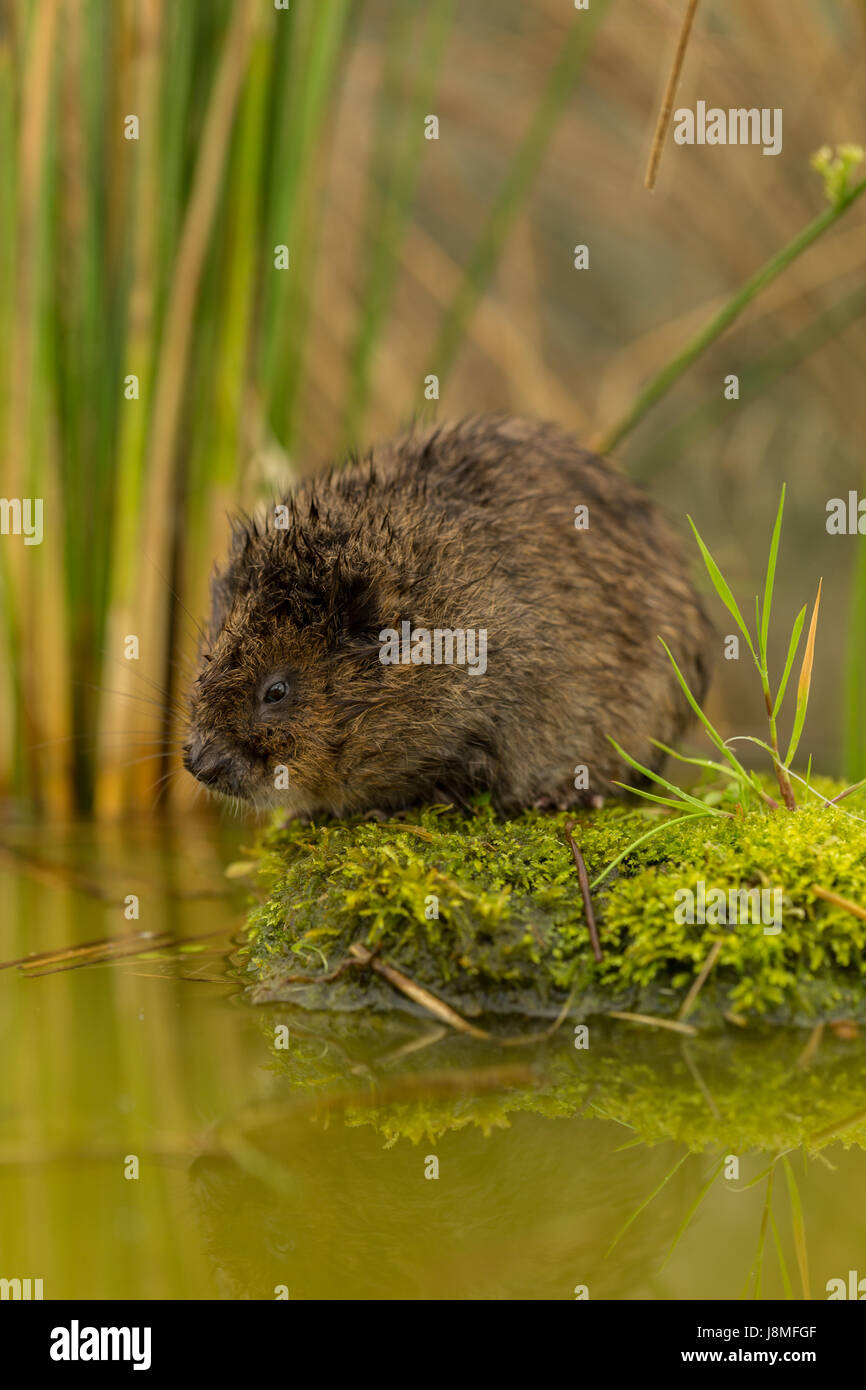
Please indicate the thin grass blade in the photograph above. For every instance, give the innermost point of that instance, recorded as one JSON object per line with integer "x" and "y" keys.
{"x": 770, "y": 580}
{"x": 722, "y": 588}
{"x": 805, "y": 681}
{"x": 799, "y": 1228}
{"x": 789, "y": 659}
{"x": 711, "y": 730}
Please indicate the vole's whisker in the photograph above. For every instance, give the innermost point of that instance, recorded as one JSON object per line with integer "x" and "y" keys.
{"x": 197, "y": 627}
{"x": 163, "y": 705}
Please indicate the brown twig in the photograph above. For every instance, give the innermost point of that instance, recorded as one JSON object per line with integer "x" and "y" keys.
{"x": 415, "y": 992}
{"x": 90, "y": 952}
{"x": 847, "y": 792}
{"x": 107, "y": 949}
{"x": 584, "y": 888}
{"x": 838, "y": 901}
{"x": 670, "y": 92}
{"x": 439, "y": 1009}
{"x": 651, "y": 1021}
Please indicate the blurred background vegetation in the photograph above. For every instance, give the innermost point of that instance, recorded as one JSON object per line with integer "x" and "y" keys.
{"x": 261, "y": 127}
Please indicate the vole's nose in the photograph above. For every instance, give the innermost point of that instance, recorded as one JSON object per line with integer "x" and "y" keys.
{"x": 206, "y": 761}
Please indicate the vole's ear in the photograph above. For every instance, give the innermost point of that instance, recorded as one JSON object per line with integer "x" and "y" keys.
{"x": 354, "y": 604}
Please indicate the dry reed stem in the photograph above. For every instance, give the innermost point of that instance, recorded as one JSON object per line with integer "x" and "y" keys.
{"x": 651, "y": 1021}
{"x": 691, "y": 997}
{"x": 668, "y": 99}
{"x": 838, "y": 901}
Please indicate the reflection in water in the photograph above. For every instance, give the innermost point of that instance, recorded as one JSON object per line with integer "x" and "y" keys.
{"x": 310, "y": 1167}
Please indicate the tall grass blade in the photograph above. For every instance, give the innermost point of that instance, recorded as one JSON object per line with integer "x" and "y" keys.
{"x": 689, "y": 1216}
{"x": 643, "y": 1206}
{"x": 681, "y": 795}
{"x": 641, "y": 839}
{"x": 789, "y": 659}
{"x": 769, "y": 582}
{"x": 783, "y": 1265}
{"x": 758, "y": 1263}
{"x": 799, "y": 1229}
{"x": 673, "y": 370}
{"x": 805, "y": 682}
{"x": 722, "y": 588}
{"x": 755, "y": 380}
{"x": 714, "y": 734}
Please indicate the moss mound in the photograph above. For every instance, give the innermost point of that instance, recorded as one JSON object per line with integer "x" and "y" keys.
{"x": 486, "y": 913}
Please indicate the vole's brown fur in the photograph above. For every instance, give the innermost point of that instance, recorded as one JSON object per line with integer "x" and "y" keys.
{"x": 460, "y": 526}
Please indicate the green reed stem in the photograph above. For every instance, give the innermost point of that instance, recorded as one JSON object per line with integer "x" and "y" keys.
{"x": 671, "y": 373}
{"x": 754, "y": 379}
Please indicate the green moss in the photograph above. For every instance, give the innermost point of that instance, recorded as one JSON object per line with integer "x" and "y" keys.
{"x": 511, "y": 937}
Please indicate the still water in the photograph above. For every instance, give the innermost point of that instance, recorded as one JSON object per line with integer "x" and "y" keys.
{"x": 157, "y": 1142}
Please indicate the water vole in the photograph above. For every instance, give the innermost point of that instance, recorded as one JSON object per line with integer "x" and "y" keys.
{"x": 472, "y": 607}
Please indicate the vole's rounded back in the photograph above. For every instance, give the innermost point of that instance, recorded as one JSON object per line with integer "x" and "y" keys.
{"x": 475, "y": 607}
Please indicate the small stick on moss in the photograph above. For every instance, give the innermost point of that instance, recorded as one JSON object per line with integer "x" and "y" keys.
{"x": 847, "y": 792}
{"x": 667, "y": 106}
{"x": 651, "y": 1021}
{"x": 838, "y": 901}
{"x": 691, "y": 997}
{"x": 417, "y": 993}
{"x": 583, "y": 876}
{"x": 439, "y": 1009}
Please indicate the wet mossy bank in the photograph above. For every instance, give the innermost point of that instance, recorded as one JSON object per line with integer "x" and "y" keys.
{"x": 486, "y": 914}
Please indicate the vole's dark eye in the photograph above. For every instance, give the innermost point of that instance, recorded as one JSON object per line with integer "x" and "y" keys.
{"x": 276, "y": 692}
